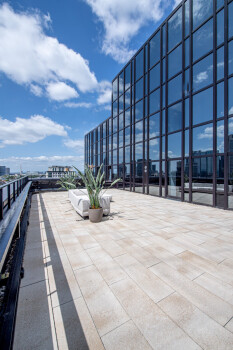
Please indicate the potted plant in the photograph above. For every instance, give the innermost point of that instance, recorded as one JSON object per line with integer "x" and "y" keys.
{"x": 67, "y": 182}
{"x": 95, "y": 190}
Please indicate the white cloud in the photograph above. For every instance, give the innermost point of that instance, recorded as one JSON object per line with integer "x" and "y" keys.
{"x": 105, "y": 92}
{"x": 41, "y": 163}
{"x": 78, "y": 104}
{"x": 202, "y": 76}
{"x": 122, "y": 20}
{"x": 60, "y": 91}
{"x": 176, "y": 3}
{"x": 207, "y": 134}
{"x": 30, "y": 57}
{"x": 76, "y": 144}
{"x": 30, "y": 130}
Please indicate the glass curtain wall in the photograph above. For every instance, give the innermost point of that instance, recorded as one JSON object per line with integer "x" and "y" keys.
{"x": 171, "y": 130}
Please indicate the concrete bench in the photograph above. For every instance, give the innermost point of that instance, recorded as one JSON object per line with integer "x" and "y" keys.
{"x": 82, "y": 203}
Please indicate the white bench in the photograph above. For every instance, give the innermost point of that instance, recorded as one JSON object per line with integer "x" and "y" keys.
{"x": 83, "y": 192}
{"x": 81, "y": 203}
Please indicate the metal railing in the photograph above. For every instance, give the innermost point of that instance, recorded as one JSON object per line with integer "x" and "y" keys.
{"x": 9, "y": 192}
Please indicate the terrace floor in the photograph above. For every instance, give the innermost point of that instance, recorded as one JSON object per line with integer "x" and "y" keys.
{"x": 156, "y": 274}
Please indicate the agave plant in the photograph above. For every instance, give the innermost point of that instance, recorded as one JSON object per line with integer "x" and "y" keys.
{"x": 94, "y": 186}
{"x": 67, "y": 182}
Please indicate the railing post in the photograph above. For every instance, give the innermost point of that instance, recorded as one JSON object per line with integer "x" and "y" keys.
{"x": 17, "y": 188}
{"x": 9, "y": 196}
{"x": 13, "y": 191}
{"x": 1, "y": 203}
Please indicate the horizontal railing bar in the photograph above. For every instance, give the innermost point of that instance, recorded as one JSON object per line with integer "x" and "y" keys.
{"x": 11, "y": 182}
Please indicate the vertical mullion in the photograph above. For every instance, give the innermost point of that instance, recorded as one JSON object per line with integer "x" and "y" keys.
{"x": 161, "y": 108}
{"x": 166, "y": 112}
{"x": 183, "y": 103}
{"x": 226, "y": 105}
{"x": 214, "y": 102}
{"x": 190, "y": 97}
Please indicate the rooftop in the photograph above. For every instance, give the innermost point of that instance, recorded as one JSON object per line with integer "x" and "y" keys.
{"x": 156, "y": 274}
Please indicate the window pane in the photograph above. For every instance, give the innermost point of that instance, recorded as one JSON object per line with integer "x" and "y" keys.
{"x": 121, "y": 103}
{"x": 154, "y": 178}
{"x": 187, "y": 112}
{"x": 202, "y": 181}
{"x": 155, "y": 49}
{"x": 163, "y": 122}
{"x": 186, "y": 150}
{"x": 187, "y": 42}
{"x": 186, "y": 83}
{"x": 155, "y": 77}
{"x": 127, "y": 77}
{"x": 220, "y": 100}
{"x": 114, "y": 158}
{"x": 220, "y": 63}
{"x": 127, "y": 154}
{"x": 139, "y": 65}
{"x": 230, "y": 96}
{"x": 114, "y": 124}
{"x": 121, "y": 83}
{"x": 175, "y": 29}
{"x": 114, "y": 141}
{"x": 163, "y": 96}
{"x": 174, "y": 145}
{"x": 230, "y": 57}
{"x": 203, "y": 106}
{"x": 230, "y": 135}
{"x": 154, "y": 125}
{"x": 154, "y": 101}
{"x": 175, "y": 61}
{"x": 230, "y": 21}
{"x": 202, "y": 9}
{"x": 127, "y": 136}
{"x": 115, "y": 89}
{"x": 174, "y": 178}
{"x": 121, "y": 138}
{"x": 127, "y": 99}
{"x": 115, "y": 108}
{"x": 219, "y": 3}
{"x": 120, "y": 155}
{"x": 139, "y": 152}
{"x": 203, "y": 73}
{"x": 175, "y": 117}
{"x": 220, "y": 136}
{"x": 203, "y": 40}
{"x": 164, "y": 40}
{"x": 175, "y": 89}
{"x": 186, "y": 17}
{"x": 154, "y": 149}
{"x": 127, "y": 117}
{"x": 139, "y": 90}
{"x": 139, "y": 111}
{"x": 139, "y": 131}
{"x": 203, "y": 140}
{"x": 220, "y": 27}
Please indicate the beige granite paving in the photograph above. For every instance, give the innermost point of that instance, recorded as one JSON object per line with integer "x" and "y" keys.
{"x": 155, "y": 274}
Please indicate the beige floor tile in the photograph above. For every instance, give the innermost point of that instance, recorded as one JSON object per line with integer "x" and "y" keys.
{"x": 105, "y": 309}
{"x": 201, "y": 328}
{"x": 79, "y": 260}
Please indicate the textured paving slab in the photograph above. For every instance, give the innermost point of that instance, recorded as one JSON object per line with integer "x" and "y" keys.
{"x": 155, "y": 274}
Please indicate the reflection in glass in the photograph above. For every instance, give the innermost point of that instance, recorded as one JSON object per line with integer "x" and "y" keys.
{"x": 115, "y": 125}
{"x": 203, "y": 40}
{"x": 115, "y": 89}
{"x": 127, "y": 136}
{"x": 186, "y": 180}
{"x": 187, "y": 43}
{"x": 127, "y": 154}
{"x": 139, "y": 111}
{"x": 186, "y": 83}
{"x": 139, "y": 131}
{"x": 127, "y": 172}
{"x": 230, "y": 179}
{"x": 220, "y": 63}
{"x": 121, "y": 138}
{"x": 139, "y": 65}
{"x": 114, "y": 173}
{"x": 155, "y": 77}
{"x": 115, "y": 108}
{"x": 174, "y": 178}
{"x": 175, "y": 89}
{"x": 154, "y": 147}
{"x": 202, "y": 181}
{"x": 154, "y": 125}
{"x": 186, "y": 145}
{"x": 114, "y": 141}
{"x": 139, "y": 90}
{"x": 175, "y": 117}
{"x": 164, "y": 70}
{"x": 155, "y": 49}
{"x": 230, "y": 96}
{"x": 203, "y": 140}
{"x": 220, "y": 181}
{"x": 187, "y": 113}
{"x": 230, "y": 135}
{"x": 175, "y": 61}
{"x": 219, "y": 3}
{"x": 220, "y": 136}
{"x": 186, "y": 6}
{"x": 163, "y": 96}
{"x": 139, "y": 152}
{"x": 110, "y": 143}
{"x": 127, "y": 117}
{"x": 203, "y": 73}
{"x": 164, "y": 40}
{"x": 230, "y": 57}
{"x": 121, "y": 83}
{"x": 220, "y": 27}
{"x": 175, "y": 29}
{"x": 153, "y": 170}
{"x": 220, "y": 100}
{"x": 121, "y": 103}
{"x": 163, "y": 147}
{"x": 202, "y": 9}
{"x": 127, "y": 77}
{"x": 203, "y": 106}
{"x": 127, "y": 99}
{"x": 120, "y": 155}
{"x": 163, "y": 121}
{"x": 154, "y": 101}
{"x": 230, "y": 22}
{"x": 174, "y": 145}
{"x": 114, "y": 158}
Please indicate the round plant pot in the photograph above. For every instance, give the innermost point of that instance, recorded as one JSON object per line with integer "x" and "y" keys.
{"x": 95, "y": 215}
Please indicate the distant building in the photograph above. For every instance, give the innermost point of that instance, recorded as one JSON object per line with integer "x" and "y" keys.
{"x": 4, "y": 170}
{"x": 58, "y": 171}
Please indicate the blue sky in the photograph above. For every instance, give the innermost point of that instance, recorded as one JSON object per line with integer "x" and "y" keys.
{"x": 57, "y": 61}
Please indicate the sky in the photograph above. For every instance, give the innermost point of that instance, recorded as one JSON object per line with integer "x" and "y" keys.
{"x": 57, "y": 61}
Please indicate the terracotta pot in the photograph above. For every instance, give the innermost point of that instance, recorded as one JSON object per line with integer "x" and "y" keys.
{"x": 95, "y": 215}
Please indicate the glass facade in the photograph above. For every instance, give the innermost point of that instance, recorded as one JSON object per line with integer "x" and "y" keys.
{"x": 171, "y": 129}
